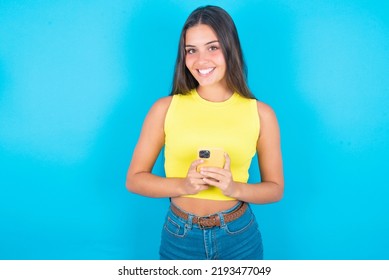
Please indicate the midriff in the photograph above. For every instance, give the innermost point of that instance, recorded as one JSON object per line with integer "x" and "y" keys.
{"x": 203, "y": 207}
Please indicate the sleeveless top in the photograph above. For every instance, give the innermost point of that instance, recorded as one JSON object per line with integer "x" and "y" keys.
{"x": 192, "y": 123}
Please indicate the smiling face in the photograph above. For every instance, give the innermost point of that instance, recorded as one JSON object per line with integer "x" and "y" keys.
{"x": 204, "y": 57}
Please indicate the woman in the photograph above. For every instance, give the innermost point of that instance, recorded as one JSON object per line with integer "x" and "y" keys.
{"x": 210, "y": 106}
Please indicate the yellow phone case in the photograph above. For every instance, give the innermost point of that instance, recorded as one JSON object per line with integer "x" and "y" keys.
{"x": 213, "y": 157}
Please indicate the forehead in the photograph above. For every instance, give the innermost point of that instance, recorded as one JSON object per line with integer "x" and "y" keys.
{"x": 200, "y": 34}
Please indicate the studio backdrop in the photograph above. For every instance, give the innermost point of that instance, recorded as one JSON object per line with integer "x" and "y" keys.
{"x": 77, "y": 79}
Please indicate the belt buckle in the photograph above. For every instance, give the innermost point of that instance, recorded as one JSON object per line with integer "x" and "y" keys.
{"x": 201, "y": 221}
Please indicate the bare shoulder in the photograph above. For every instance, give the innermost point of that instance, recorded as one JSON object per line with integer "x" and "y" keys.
{"x": 268, "y": 121}
{"x": 160, "y": 107}
{"x": 265, "y": 112}
{"x": 163, "y": 103}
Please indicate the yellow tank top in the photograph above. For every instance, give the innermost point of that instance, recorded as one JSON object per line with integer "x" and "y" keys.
{"x": 192, "y": 122}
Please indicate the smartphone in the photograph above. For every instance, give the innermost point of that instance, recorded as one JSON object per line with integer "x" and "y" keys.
{"x": 213, "y": 157}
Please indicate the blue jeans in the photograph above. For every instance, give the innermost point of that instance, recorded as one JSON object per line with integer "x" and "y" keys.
{"x": 236, "y": 240}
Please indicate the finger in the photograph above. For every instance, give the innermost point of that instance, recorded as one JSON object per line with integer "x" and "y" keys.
{"x": 198, "y": 182}
{"x": 194, "y": 174}
{"x": 227, "y": 164}
{"x": 213, "y": 171}
{"x": 195, "y": 163}
{"x": 213, "y": 175}
{"x": 199, "y": 187}
{"x": 203, "y": 186}
{"x": 212, "y": 182}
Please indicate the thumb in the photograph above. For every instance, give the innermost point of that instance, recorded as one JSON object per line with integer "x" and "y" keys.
{"x": 193, "y": 166}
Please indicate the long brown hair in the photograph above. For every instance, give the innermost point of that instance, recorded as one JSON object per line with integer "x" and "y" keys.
{"x": 224, "y": 27}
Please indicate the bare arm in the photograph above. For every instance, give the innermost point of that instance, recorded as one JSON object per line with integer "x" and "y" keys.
{"x": 271, "y": 188}
{"x": 140, "y": 180}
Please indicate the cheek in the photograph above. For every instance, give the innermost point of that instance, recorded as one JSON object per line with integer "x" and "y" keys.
{"x": 220, "y": 59}
{"x": 189, "y": 66}
{"x": 188, "y": 61}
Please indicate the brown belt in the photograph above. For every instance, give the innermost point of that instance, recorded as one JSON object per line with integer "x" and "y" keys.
{"x": 212, "y": 220}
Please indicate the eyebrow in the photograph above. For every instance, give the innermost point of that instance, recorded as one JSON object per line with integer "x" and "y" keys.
{"x": 211, "y": 42}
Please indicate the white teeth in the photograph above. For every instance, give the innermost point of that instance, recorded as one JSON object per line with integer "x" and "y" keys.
{"x": 205, "y": 71}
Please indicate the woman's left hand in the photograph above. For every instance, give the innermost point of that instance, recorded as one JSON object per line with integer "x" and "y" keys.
{"x": 220, "y": 177}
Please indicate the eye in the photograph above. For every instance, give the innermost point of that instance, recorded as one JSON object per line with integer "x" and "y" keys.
{"x": 213, "y": 48}
{"x": 190, "y": 51}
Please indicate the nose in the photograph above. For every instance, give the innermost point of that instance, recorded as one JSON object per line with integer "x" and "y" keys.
{"x": 202, "y": 57}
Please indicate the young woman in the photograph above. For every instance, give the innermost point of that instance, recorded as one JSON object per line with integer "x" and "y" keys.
{"x": 210, "y": 106}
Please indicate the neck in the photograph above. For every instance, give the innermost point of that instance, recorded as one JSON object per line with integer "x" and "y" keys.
{"x": 215, "y": 93}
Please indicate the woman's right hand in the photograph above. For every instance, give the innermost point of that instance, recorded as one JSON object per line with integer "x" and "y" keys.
{"x": 194, "y": 182}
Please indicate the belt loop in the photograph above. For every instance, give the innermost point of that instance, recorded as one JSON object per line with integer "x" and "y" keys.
{"x": 190, "y": 221}
{"x": 222, "y": 222}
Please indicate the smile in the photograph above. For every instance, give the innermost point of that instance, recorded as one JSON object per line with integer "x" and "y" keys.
{"x": 205, "y": 71}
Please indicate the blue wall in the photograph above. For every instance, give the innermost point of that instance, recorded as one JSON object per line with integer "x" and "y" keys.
{"x": 78, "y": 77}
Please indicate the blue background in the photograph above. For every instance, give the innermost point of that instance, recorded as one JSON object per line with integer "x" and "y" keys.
{"x": 78, "y": 77}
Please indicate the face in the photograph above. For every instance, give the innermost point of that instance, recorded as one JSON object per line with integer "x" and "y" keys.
{"x": 204, "y": 57}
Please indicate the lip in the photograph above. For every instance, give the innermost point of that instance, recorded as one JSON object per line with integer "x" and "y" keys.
{"x": 205, "y": 71}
